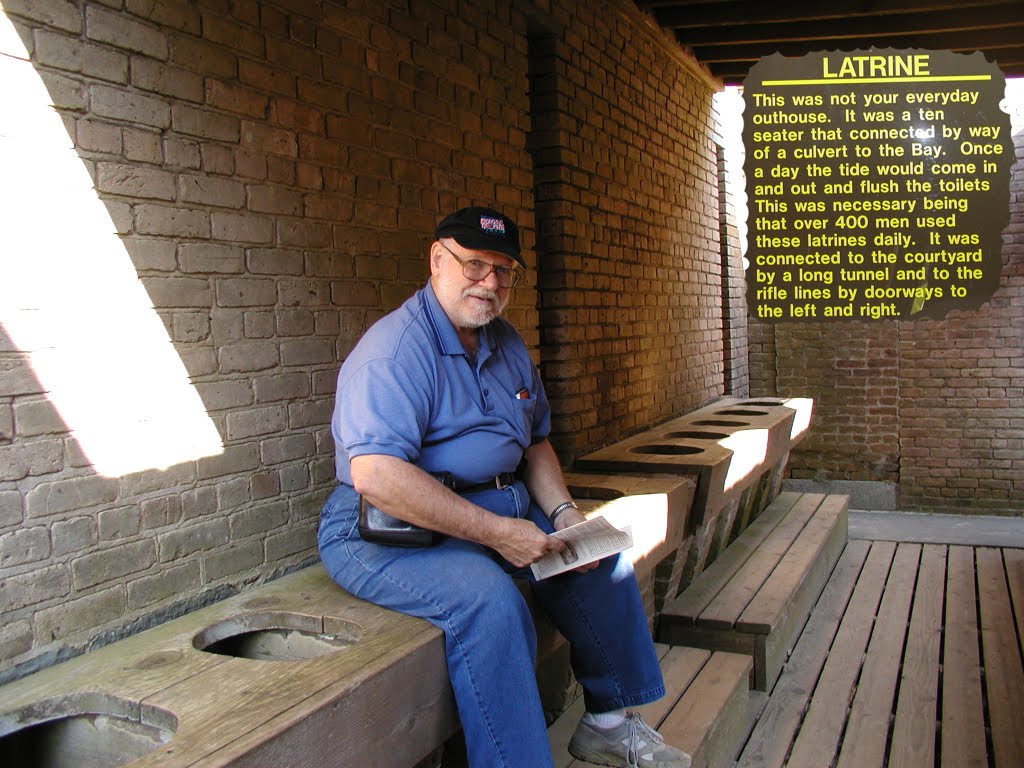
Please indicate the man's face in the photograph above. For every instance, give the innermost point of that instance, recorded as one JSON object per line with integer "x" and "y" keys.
{"x": 468, "y": 303}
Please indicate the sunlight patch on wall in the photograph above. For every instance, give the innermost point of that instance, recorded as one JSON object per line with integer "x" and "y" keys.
{"x": 71, "y": 300}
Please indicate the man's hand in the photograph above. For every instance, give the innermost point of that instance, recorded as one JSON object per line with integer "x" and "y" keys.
{"x": 521, "y": 542}
{"x": 569, "y": 517}
{"x": 547, "y": 488}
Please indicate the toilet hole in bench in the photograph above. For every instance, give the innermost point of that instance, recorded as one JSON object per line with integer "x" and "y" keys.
{"x": 720, "y": 423}
{"x": 696, "y": 435}
{"x": 740, "y": 412}
{"x": 276, "y": 637}
{"x": 668, "y": 450}
{"x": 83, "y": 731}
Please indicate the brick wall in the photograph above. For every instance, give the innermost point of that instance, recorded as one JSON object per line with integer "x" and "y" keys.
{"x": 274, "y": 170}
{"x": 934, "y": 407}
{"x": 962, "y": 392}
{"x": 628, "y": 243}
{"x": 852, "y": 372}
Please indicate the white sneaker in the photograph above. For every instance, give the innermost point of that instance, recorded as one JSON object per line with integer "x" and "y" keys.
{"x": 631, "y": 744}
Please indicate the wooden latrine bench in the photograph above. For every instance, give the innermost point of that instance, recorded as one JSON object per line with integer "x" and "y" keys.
{"x": 298, "y": 672}
{"x": 736, "y": 449}
{"x": 295, "y": 672}
{"x": 656, "y": 509}
{"x": 757, "y": 595}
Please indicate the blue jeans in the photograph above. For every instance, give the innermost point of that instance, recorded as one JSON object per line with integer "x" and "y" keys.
{"x": 490, "y": 642}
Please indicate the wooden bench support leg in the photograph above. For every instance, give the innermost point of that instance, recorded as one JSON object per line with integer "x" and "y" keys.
{"x": 763, "y": 499}
{"x": 669, "y": 575}
{"x": 702, "y": 551}
{"x": 732, "y": 528}
{"x": 555, "y": 682}
{"x": 777, "y": 476}
{"x": 727, "y": 518}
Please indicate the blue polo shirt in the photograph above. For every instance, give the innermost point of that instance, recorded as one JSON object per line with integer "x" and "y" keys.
{"x": 409, "y": 390}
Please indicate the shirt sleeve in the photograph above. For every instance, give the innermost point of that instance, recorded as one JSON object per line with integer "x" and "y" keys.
{"x": 382, "y": 410}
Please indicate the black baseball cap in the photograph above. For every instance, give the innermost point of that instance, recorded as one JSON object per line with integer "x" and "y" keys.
{"x": 482, "y": 229}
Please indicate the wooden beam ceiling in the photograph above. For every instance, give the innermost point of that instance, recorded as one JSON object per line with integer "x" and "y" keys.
{"x": 729, "y": 36}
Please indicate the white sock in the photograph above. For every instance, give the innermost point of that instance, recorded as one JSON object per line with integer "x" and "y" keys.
{"x": 605, "y": 719}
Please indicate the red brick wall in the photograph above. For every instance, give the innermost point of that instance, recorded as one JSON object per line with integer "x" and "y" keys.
{"x": 936, "y": 407}
{"x": 852, "y": 372}
{"x": 962, "y": 392}
{"x": 628, "y": 244}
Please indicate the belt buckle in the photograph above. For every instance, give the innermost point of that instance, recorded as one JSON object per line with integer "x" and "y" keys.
{"x": 499, "y": 482}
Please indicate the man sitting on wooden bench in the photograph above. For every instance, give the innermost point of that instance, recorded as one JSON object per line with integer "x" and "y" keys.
{"x": 443, "y": 386}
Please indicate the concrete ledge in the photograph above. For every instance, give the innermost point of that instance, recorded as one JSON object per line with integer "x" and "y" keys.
{"x": 864, "y": 494}
{"x": 935, "y": 528}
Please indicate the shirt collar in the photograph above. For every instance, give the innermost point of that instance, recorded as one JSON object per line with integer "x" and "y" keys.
{"x": 447, "y": 337}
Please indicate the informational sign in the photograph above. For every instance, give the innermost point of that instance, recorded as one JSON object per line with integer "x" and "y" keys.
{"x": 877, "y": 184}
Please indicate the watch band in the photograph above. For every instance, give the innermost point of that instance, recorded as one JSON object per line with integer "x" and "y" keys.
{"x": 560, "y": 509}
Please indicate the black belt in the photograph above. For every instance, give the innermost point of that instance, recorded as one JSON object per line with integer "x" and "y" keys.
{"x": 500, "y": 482}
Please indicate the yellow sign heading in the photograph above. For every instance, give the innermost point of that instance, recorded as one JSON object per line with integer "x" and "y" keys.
{"x": 908, "y": 68}
{"x": 911, "y": 65}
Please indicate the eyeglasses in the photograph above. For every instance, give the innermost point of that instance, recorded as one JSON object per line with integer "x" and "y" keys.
{"x": 476, "y": 270}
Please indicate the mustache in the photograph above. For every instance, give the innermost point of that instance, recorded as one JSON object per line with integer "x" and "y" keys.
{"x": 482, "y": 293}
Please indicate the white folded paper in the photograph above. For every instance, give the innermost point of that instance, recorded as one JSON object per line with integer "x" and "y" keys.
{"x": 584, "y": 543}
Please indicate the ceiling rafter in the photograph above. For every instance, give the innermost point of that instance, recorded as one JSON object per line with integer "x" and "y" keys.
{"x": 729, "y": 36}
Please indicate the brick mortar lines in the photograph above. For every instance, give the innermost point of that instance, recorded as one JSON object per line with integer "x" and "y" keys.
{"x": 179, "y": 182}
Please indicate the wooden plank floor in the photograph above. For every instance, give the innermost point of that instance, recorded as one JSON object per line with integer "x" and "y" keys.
{"x": 913, "y": 657}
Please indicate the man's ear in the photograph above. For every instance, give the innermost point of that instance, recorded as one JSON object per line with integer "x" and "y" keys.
{"x": 436, "y": 254}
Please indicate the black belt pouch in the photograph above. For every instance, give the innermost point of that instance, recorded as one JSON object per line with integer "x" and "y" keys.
{"x": 381, "y": 528}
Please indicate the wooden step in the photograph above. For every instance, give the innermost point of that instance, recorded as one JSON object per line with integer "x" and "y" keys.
{"x": 706, "y": 711}
{"x": 757, "y": 595}
{"x": 770, "y": 740}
